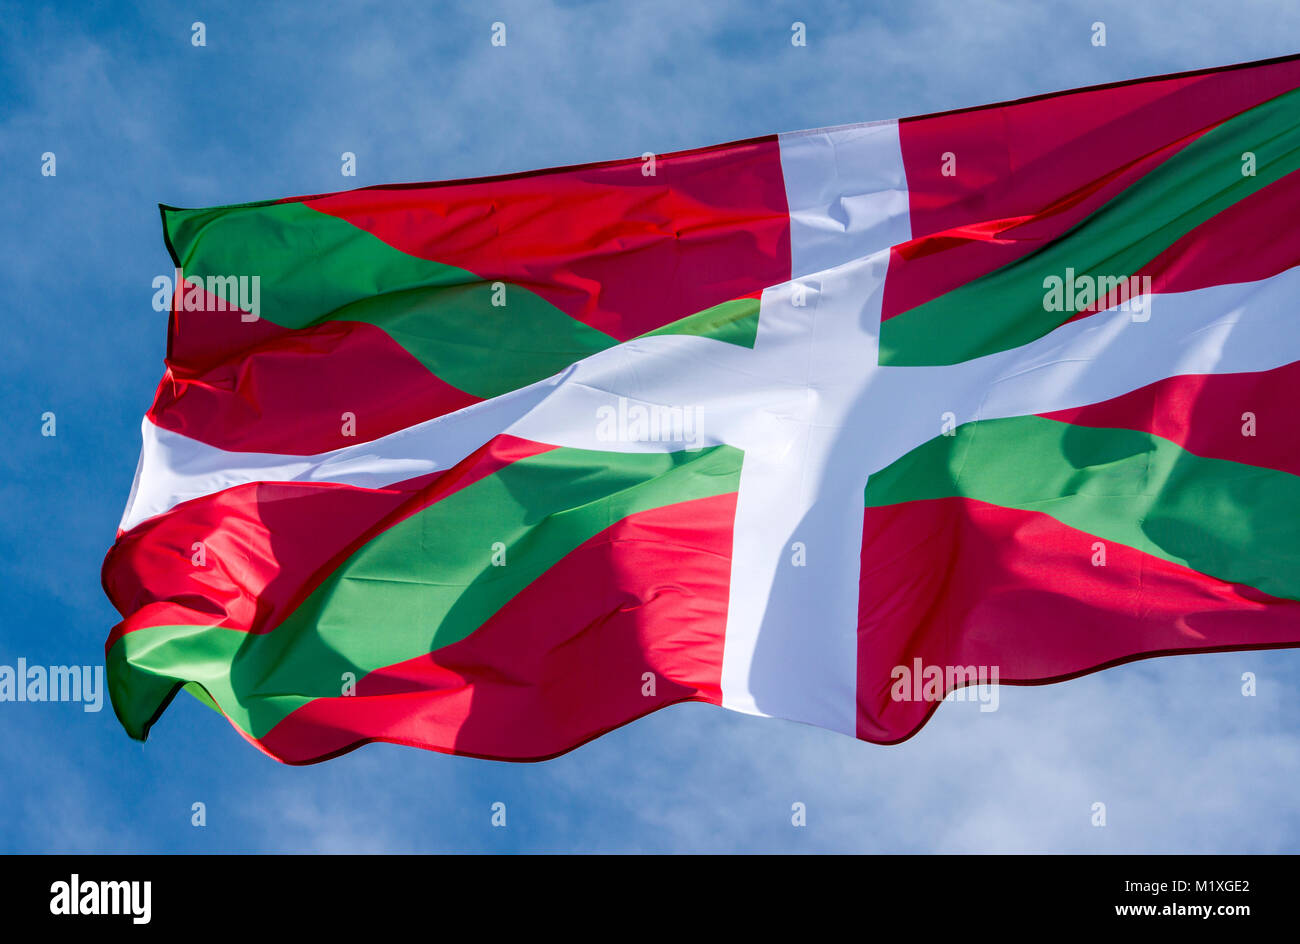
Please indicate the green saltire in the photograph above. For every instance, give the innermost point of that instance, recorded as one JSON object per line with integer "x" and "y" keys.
{"x": 429, "y": 579}
{"x": 1229, "y": 520}
{"x": 315, "y": 267}
{"x": 1005, "y": 308}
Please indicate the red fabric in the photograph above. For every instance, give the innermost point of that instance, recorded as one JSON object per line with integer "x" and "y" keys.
{"x": 954, "y": 581}
{"x": 1227, "y": 247}
{"x": 563, "y": 661}
{"x": 254, "y": 386}
{"x": 624, "y": 252}
{"x": 268, "y": 545}
{"x": 1203, "y": 414}
{"x": 285, "y": 391}
{"x": 1028, "y": 171}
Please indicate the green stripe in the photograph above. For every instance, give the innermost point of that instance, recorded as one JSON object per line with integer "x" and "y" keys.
{"x": 425, "y": 583}
{"x": 314, "y": 267}
{"x": 1005, "y": 308}
{"x": 1232, "y": 521}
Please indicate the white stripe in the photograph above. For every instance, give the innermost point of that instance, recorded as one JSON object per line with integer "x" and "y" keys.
{"x": 175, "y": 468}
{"x": 714, "y": 378}
{"x": 748, "y": 397}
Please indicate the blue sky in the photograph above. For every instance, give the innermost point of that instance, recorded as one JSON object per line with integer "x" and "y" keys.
{"x": 136, "y": 116}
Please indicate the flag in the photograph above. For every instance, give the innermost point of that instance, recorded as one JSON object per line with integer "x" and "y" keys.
{"x": 825, "y": 426}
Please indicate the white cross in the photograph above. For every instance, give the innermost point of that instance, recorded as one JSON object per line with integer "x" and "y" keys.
{"x": 816, "y": 414}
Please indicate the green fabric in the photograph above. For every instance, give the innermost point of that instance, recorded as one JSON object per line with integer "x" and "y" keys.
{"x": 1005, "y": 308}
{"x": 1232, "y": 521}
{"x": 314, "y": 267}
{"x": 425, "y": 583}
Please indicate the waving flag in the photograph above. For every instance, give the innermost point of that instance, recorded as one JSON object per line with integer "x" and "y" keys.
{"x": 820, "y": 426}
